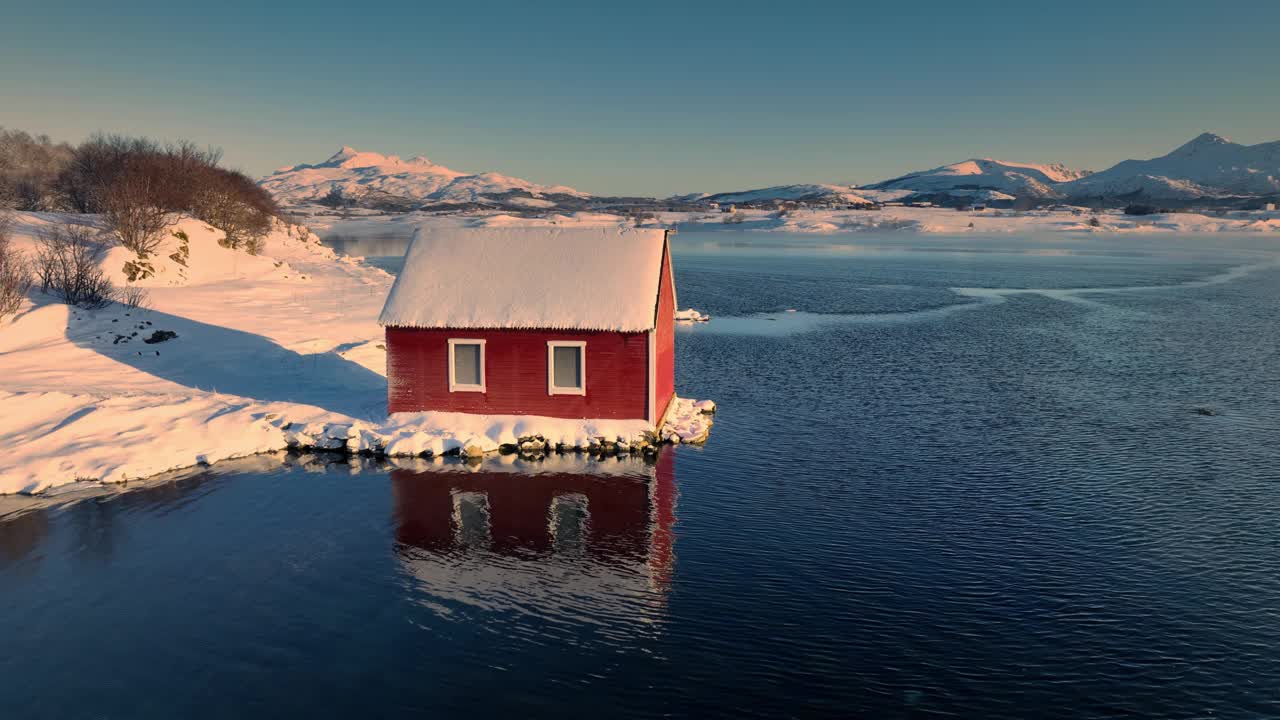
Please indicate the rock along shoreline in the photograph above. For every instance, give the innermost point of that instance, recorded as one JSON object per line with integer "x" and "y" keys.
{"x": 410, "y": 435}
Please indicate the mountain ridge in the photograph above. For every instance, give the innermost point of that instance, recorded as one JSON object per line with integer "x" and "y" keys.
{"x": 989, "y": 174}
{"x": 1207, "y": 167}
{"x": 358, "y": 174}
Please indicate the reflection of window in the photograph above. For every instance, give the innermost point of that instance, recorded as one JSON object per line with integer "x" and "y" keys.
{"x": 471, "y": 518}
{"x": 568, "y": 522}
{"x": 566, "y": 368}
{"x": 466, "y": 365}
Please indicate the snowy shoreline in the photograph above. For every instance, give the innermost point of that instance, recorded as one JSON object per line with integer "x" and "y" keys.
{"x": 374, "y": 226}
{"x": 134, "y": 437}
{"x": 260, "y": 353}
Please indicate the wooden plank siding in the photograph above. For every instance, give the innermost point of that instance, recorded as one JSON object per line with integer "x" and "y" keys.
{"x": 516, "y": 373}
{"x": 665, "y": 339}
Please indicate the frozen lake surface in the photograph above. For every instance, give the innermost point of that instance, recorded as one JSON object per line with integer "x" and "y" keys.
{"x": 985, "y": 477}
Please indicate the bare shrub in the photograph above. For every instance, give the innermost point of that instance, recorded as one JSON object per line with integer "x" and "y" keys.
{"x": 15, "y": 272}
{"x": 134, "y": 181}
{"x": 97, "y": 163}
{"x": 135, "y": 297}
{"x": 67, "y": 266}
{"x": 131, "y": 206}
{"x": 254, "y": 245}
{"x": 226, "y": 203}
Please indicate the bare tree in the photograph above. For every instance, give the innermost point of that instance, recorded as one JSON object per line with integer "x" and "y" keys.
{"x": 15, "y": 272}
{"x": 67, "y": 266}
{"x": 131, "y": 207}
{"x": 135, "y": 297}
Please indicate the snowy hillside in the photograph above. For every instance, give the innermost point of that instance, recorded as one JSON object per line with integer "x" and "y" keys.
{"x": 1209, "y": 165}
{"x": 1018, "y": 179}
{"x": 810, "y": 192}
{"x": 360, "y": 174}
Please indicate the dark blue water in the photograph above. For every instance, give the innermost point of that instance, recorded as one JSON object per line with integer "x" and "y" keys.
{"x": 921, "y": 503}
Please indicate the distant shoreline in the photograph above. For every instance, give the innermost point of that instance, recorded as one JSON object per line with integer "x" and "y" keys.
{"x": 889, "y": 219}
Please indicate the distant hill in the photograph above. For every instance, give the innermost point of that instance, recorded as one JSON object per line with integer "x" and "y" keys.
{"x": 1208, "y": 166}
{"x": 970, "y": 177}
{"x": 841, "y": 194}
{"x": 368, "y": 178}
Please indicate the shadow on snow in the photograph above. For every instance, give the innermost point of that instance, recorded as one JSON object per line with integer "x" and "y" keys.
{"x": 212, "y": 358}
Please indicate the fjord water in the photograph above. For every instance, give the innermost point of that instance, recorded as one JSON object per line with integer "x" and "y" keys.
{"x": 1053, "y": 493}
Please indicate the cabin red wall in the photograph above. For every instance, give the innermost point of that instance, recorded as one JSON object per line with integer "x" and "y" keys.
{"x": 665, "y": 339}
{"x": 516, "y": 374}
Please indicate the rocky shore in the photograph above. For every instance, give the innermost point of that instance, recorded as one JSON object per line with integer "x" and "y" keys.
{"x": 429, "y": 434}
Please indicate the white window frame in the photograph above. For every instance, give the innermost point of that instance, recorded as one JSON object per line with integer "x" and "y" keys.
{"x": 454, "y": 386}
{"x": 552, "y": 388}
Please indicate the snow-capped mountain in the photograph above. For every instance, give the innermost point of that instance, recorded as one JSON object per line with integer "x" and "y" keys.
{"x": 367, "y": 174}
{"x": 1209, "y": 165}
{"x": 809, "y": 192}
{"x": 985, "y": 174}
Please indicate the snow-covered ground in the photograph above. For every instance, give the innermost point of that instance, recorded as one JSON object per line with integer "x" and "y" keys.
{"x": 273, "y": 350}
{"x": 291, "y": 332}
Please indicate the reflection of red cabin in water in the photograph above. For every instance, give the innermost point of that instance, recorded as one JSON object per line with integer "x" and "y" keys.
{"x": 612, "y": 514}
{"x": 559, "y": 322}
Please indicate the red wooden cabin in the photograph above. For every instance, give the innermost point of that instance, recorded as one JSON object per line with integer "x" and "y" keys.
{"x": 558, "y": 322}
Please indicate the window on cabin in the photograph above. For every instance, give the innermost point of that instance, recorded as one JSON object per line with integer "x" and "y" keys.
{"x": 466, "y": 366}
{"x": 566, "y": 368}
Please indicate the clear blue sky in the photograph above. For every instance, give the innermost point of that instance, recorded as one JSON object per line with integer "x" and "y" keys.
{"x": 651, "y": 97}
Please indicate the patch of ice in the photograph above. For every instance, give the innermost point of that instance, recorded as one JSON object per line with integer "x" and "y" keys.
{"x": 691, "y": 315}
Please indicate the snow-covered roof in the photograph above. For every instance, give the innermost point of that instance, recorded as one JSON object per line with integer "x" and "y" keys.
{"x": 588, "y": 278}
